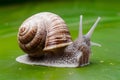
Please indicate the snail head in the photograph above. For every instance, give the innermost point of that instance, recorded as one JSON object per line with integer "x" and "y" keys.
{"x": 85, "y": 39}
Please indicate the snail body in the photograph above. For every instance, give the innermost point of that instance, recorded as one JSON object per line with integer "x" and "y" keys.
{"x": 47, "y": 41}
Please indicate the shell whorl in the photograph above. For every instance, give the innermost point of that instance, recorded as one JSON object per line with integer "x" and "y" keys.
{"x": 43, "y": 32}
{"x": 57, "y": 33}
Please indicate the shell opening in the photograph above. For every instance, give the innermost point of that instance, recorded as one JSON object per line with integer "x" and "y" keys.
{"x": 48, "y": 48}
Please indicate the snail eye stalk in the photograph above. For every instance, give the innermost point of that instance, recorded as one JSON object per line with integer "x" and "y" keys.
{"x": 90, "y": 32}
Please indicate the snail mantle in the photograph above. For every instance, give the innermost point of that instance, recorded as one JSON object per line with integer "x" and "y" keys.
{"x": 47, "y": 41}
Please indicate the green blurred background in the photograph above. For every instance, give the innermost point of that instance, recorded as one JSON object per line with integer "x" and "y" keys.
{"x": 105, "y": 60}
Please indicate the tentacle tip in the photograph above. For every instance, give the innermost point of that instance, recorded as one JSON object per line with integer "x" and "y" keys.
{"x": 96, "y": 44}
{"x": 99, "y": 17}
{"x": 99, "y": 45}
{"x": 81, "y": 16}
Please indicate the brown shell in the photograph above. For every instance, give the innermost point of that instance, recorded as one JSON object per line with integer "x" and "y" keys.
{"x": 43, "y": 32}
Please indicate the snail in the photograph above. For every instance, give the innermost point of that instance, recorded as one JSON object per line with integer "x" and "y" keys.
{"x": 47, "y": 41}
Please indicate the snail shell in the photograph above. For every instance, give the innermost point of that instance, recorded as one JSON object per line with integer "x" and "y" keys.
{"x": 43, "y": 32}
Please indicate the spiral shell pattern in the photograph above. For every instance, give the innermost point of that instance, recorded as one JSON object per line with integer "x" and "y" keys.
{"x": 43, "y": 32}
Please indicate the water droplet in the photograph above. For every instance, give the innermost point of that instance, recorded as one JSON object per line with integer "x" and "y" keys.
{"x": 111, "y": 63}
{"x": 101, "y": 61}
